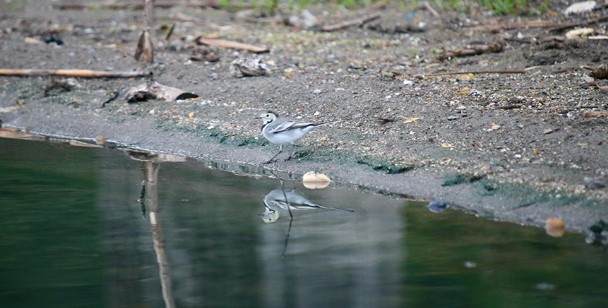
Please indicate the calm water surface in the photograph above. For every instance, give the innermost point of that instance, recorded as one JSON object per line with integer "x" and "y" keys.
{"x": 76, "y": 229}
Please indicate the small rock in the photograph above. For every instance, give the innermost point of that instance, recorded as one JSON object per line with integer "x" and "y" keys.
{"x": 555, "y": 227}
{"x": 580, "y": 7}
{"x": 408, "y": 82}
{"x": 451, "y": 118}
{"x": 437, "y": 206}
{"x": 548, "y": 131}
{"x": 591, "y": 183}
{"x": 544, "y": 286}
{"x": 248, "y": 66}
{"x": 52, "y": 39}
{"x": 317, "y": 91}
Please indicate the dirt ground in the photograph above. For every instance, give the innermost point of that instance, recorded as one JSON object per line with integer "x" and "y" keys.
{"x": 520, "y": 147}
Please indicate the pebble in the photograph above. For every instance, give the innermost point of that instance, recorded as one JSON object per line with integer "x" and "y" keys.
{"x": 437, "y": 206}
{"x": 317, "y": 91}
{"x": 451, "y": 118}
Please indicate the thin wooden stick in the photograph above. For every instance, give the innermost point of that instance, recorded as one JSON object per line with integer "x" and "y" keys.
{"x": 72, "y": 73}
{"x": 231, "y": 44}
{"x": 349, "y": 23}
{"x": 560, "y": 27}
{"x": 475, "y": 72}
{"x": 510, "y": 26}
{"x": 426, "y": 5}
{"x": 132, "y": 5}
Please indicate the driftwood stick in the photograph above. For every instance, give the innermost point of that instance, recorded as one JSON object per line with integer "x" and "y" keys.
{"x": 427, "y": 6}
{"x": 231, "y": 44}
{"x": 510, "y": 26}
{"x": 474, "y": 72}
{"x": 349, "y": 23}
{"x": 131, "y": 5}
{"x": 560, "y": 27}
{"x": 72, "y": 73}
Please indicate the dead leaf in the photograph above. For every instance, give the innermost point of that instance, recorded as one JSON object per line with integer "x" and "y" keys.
{"x": 466, "y": 77}
{"x": 101, "y": 139}
{"x": 465, "y": 91}
{"x": 447, "y": 146}
{"x": 493, "y": 127}
{"x": 579, "y": 34}
{"x": 191, "y": 115}
{"x": 536, "y": 151}
{"x": 548, "y": 131}
{"x": 32, "y": 40}
{"x": 315, "y": 180}
{"x": 410, "y": 120}
{"x": 288, "y": 73}
{"x": 555, "y": 227}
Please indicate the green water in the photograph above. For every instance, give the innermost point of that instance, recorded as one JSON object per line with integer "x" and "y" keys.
{"x": 73, "y": 234}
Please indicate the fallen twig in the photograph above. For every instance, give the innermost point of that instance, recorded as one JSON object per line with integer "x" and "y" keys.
{"x": 231, "y": 44}
{"x": 511, "y": 26}
{"x": 429, "y": 8}
{"x": 560, "y": 27}
{"x": 72, "y": 73}
{"x": 474, "y": 72}
{"x": 170, "y": 32}
{"x": 132, "y": 5}
{"x": 472, "y": 51}
{"x": 509, "y": 107}
{"x": 115, "y": 95}
{"x": 355, "y": 22}
{"x": 593, "y": 114}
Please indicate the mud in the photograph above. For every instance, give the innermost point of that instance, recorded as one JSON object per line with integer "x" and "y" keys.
{"x": 515, "y": 147}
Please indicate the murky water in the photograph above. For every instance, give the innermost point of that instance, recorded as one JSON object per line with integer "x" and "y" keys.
{"x": 95, "y": 227}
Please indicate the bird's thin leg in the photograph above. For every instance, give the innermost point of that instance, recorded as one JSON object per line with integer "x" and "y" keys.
{"x": 275, "y": 156}
{"x": 292, "y": 153}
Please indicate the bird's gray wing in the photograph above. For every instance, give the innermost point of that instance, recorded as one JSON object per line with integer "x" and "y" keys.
{"x": 281, "y": 127}
{"x": 290, "y": 125}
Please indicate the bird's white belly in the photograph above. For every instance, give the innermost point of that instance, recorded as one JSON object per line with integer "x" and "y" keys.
{"x": 287, "y": 137}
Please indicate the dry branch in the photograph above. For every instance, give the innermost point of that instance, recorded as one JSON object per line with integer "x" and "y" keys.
{"x": 132, "y": 5}
{"x": 349, "y": 23}
{"x": 231, "y": 44}
{"x": 472, "y": 51}
{"x": 72, "y": 73}
{"x": 560, "y": 27}
{"x": 511, "y": 26}
{"x": 593, "y": 114}
{"x": 474, "y": 72}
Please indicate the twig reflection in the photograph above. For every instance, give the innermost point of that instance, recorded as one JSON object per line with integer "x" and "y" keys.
{"x": 149, "y": 199}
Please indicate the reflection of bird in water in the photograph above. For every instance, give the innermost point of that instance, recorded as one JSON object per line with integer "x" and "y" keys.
{"x": 276, "y": 205}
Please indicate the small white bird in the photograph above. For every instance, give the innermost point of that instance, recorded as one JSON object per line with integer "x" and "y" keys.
{"x": 282, "y": 131}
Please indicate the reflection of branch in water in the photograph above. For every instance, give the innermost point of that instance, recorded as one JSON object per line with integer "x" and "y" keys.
{"x": 142, "y": 199}
{"x": 150, "y": 190}
{"x": 149, "y": 198}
